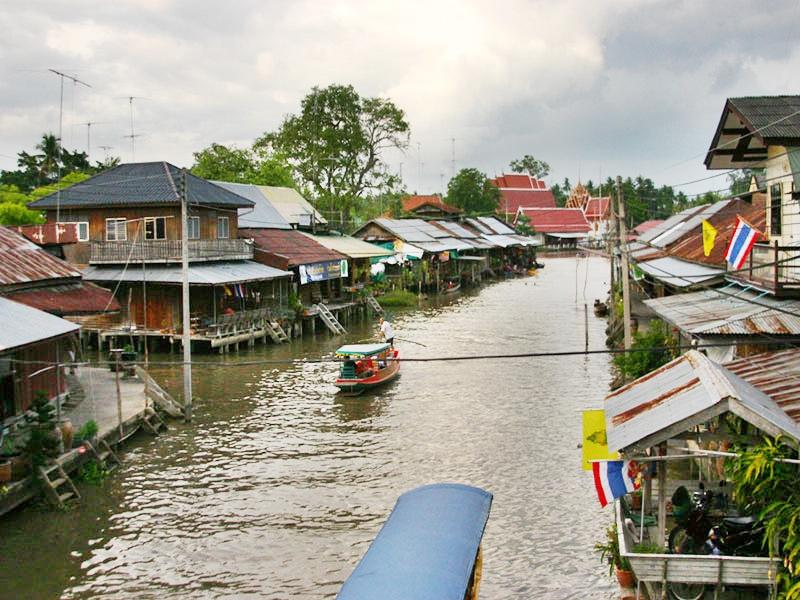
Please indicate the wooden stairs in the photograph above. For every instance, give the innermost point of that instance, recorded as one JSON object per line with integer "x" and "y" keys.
{"x": 330, "y": 320}
{"x": 76, "y": 393}
{"x": 373, "y": 304}
{"x": 276, "y": 332}
{"x": 104, "y": 455}
{"x": 152, "y": 422}
{"x": 58, "y": 487}
{"x": 157, "y": 394}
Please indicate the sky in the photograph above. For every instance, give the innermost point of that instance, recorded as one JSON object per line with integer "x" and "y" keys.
{"x": 594, "y": 88}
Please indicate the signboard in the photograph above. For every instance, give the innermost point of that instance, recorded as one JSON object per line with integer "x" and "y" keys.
{"x": 320, "y": 271}
{"x": 595, "y": 443}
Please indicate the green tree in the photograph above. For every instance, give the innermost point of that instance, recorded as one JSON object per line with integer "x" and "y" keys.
{"x": 242, "y": 165}
{"x": 335, "y": 145}
{"x": 740, "y": 180}
{"x": 530, "y": 165}
{"x": 473, "y": 192}
{"x": 44, "y": 167}
{"x": 651, "y": 349}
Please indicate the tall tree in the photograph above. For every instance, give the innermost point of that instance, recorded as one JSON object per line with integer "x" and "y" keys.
{"x": 335, "y": 145}
{"x": 530, "y": 165}
{"x": 473, "y": 192}
{"x": 242, "y": 165}
{"x": 44, "y": 167}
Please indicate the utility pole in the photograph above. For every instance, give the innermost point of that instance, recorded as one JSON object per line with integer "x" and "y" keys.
{"x": 623, "y": 243}
{"x": 186, "y": 337}
{"x": 74, "y": 80}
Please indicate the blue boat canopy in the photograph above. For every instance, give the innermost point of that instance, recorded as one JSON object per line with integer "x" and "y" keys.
{"x": 361, "y": 349}
{"x": 427, "y": 548}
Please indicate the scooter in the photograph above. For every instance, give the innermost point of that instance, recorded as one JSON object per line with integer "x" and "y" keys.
{"x": 693, "y": 522}
{"x": 735, "y": 536}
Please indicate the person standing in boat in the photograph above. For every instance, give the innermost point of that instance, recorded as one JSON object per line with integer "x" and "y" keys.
{"x": 387, "y": 332}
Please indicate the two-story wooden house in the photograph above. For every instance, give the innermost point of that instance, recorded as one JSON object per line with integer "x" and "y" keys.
{"x": 763, "y": 132}
{"x": 129, "y": 235}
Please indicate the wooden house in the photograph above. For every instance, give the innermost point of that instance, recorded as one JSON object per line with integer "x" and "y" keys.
{"x": 130, "y": 222}
{"x": 429, "y": 207}
{"x": 763, "y": 132}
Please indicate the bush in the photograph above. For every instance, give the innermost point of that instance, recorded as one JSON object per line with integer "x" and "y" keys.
{"x": 42, "y": 443}
{"x": 93, "y": 472}
{"x": 633, "y": 365}
{"x": 398, "y": 298}
{"x": 88, "y": 431}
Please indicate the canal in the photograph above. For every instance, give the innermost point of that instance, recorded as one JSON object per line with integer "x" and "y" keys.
{"x": 278, "y": 486}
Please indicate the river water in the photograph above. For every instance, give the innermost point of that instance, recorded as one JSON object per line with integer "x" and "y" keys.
{"x": 278, "y": 486}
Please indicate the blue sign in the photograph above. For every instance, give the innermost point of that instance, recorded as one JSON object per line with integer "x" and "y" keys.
{"x": 320, "y": 271}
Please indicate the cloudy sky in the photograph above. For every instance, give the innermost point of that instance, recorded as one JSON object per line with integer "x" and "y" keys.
{"x": 625, "y": 87}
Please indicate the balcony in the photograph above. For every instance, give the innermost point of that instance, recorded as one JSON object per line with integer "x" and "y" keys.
{"x": 169, "y": 251}
{"x": 771, "y": 268}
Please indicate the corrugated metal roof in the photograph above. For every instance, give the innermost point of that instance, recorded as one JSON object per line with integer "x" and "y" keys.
{"x": 480, "y": 226}
{"x": 50, "y": 233}
{"x": 71, "y": 299}
{"x": 350, "y": 246}
{"x": 455, "y": 229}
{"x": 296, "y": 247}
{"x": 22, "y": 261}
{"x": 682, "y": 394}
{"x": 679, "y": 273}
{"x": 137, "y": 184}
{"x": 496, "y": 225}
{"x": 669, "y": 223}
{"x": 687, "y": 225}
{"x": 406, "y": 229}
{"x": 502, "y": 241}
{"x": 262, "y": 213}
{"x": 777, "y": 374}
{"x": 291, "y": 205}
{"x": 217, "y": 273}
{"x": 711, "y": 313}
{"x": 21, "y": 325}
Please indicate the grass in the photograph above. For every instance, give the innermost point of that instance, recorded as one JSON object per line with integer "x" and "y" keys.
{"x": 398, "y": 298}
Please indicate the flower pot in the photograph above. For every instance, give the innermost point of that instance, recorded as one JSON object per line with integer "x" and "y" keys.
{"x": 5, "y": 471}
{"x": 625, "y": 578}
{"x": 67, "y": 432}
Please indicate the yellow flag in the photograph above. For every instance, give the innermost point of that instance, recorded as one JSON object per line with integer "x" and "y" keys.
{"x": 709, "y": 235}
{"x": 595, "y": 444}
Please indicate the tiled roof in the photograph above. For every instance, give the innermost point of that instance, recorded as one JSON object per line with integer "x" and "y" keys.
{"x": 597, "y": 209}
{"x": 22, "y": 261}
{"x": 70, "y": 299}
{"x": 761, "y": 112}
{"x": 293, "y": 245}
{"x": 413, "y": 203}
{"x": 137, "y": 184}
{"x": 557, "y": 220}
{"x": 522, "y": 191}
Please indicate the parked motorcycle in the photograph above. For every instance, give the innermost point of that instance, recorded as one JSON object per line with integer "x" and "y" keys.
{"x": 735, "y": 536}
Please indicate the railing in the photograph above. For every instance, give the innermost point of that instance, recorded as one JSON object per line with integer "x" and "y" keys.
{"x": 772, "y": 268}
{"x": 169, "y": 251}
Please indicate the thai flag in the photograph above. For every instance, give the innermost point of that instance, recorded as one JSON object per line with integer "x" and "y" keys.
{"x": 614, "y": 478}
{"x": 744, "y": 236}
{"x": 238, "y": 290}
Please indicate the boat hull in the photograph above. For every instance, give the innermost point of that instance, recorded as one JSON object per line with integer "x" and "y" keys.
{"x": 357, "y": 386}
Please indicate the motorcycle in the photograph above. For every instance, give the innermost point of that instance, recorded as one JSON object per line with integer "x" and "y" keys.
{"x": 693, "y": 521}
{"x": 735, "y": 536}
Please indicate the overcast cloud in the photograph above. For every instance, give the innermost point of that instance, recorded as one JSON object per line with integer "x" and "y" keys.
{"x": 592, "y": 87}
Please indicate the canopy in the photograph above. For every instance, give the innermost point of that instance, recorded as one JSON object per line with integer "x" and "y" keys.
{"x": 426, "y": 550}
{"x": 361, "y": 349}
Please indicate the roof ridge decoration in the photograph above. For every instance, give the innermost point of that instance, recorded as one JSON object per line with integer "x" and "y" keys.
{"x": 171, "y": 180}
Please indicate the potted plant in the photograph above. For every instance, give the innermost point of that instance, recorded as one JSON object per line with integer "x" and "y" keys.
{"x": 87, "y": 433}
{"x": 43, "y": 439}
{"x": 636, "y": 500}
{"x": 610, "y": 553}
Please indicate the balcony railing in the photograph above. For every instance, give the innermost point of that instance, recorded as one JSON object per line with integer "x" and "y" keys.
{"x": 169, "y": 251}
{"x": 772, "y": 268}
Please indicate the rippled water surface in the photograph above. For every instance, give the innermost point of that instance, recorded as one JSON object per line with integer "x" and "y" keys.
{"x": 278, "y": 486}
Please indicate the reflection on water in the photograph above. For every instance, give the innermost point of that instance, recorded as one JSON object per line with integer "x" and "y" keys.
{"x": 279, "y": 485}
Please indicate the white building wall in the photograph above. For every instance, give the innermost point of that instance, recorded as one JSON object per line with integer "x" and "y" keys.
{"x": 780, "y": 172}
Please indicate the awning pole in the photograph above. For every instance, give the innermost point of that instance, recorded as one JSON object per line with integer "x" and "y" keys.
{"x": 662, "y": 495}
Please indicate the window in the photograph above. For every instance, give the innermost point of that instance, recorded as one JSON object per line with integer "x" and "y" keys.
{"x": 223, "y": 231}
{"x": 116, "y": 230}
{"x": 775, "y": 209}
{"x": 83, "y": 231}
{"x": 155, "y": 228}
{"x": 194, "y": 228}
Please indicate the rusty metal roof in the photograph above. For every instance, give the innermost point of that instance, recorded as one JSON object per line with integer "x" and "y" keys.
{"x": 777, "y": 374}
{"x": 708, "y": 312}
{"x": 78, "y": 298}
{"x": 684, "y": 393}
{"x": 22, "y": 261}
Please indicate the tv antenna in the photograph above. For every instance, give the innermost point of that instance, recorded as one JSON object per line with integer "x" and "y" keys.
{"x": 75, "y": 81}
{"x": 89, "y": 135}
{"x": 106, "y": 149}
{"x": 133, "y": 134}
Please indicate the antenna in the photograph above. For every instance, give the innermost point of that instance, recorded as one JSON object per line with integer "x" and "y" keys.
{"x": 89, "y": 135}
{"x": 74, "y": 80}
{"x": 133, "y": 134}
{"x": 106, "y": 149}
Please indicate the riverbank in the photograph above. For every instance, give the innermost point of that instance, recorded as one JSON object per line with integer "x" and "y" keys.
{"x": 278, "y": 485}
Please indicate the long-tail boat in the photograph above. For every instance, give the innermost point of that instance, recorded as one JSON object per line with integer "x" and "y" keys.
{"x": 366, "y": 366}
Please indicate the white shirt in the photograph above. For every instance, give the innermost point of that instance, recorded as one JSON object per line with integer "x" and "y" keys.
{"x": 387, "y": 331}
